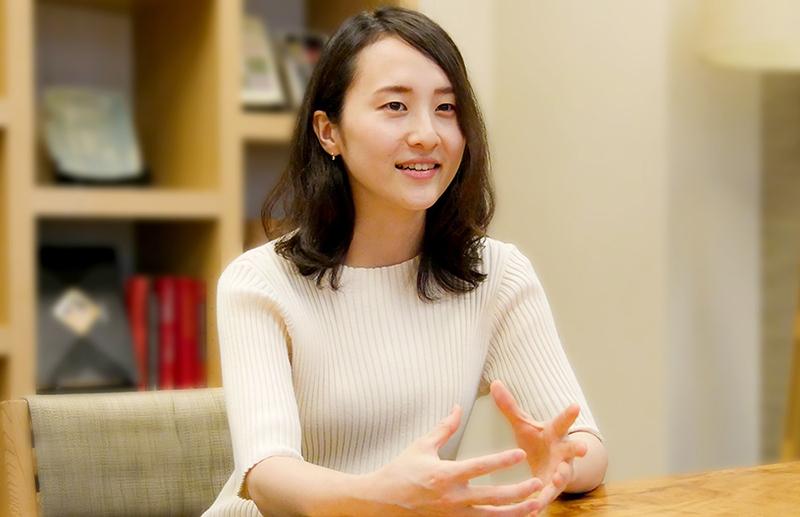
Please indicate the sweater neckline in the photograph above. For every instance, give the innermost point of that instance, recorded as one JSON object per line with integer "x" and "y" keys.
{"x": 406, "y": 264}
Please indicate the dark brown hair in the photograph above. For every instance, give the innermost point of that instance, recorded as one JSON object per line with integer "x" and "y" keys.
{"x": 314, "y": 193}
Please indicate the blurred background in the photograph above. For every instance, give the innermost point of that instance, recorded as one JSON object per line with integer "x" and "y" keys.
{"x": 646, "y": 157}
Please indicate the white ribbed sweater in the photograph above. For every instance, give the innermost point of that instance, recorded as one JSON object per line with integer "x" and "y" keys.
{"x": 348, "y": 379}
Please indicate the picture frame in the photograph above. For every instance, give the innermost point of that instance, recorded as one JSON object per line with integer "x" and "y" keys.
{"x": 82, "y": 326}
{"x": 261, "y": 82}
{"x": 90, "y": 137}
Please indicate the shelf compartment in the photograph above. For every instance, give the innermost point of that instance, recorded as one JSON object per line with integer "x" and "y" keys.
{"x": 153, "y": 248}
{"x": 125, "y": 203}
{"x": 165, "y": 55}
{"x": 267, "y": 128}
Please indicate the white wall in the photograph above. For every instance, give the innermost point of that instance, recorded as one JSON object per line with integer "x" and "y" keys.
{"x": 628, "y": 173}
{"x": 581, "y": 168}
{"x": 714, "y": 244}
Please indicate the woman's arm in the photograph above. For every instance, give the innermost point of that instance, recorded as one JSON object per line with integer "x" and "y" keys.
{"x": 417, "y": 482}
{"x": 525, "y": 351}
{"x": 284, "y": 486}
{"x": 590, "y": 470}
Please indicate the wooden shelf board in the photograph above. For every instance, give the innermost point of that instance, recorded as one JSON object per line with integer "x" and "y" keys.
{"x": 3, "y": 113}
{"x": 4, "y": 343}
{"x": 125, "y": 203}
{"x": 267, "y": 127}
{"x": 111, "y": 5}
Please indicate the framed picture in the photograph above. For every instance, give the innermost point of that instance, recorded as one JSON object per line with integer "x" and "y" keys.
{"x": 84, "y": 341}
{"x": 90, "y": 137}
{"x": 300, "y": 52}
{"x": 261, "y": 83}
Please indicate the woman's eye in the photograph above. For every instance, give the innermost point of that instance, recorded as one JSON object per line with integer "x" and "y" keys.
{"x": 394, "y": 106}
{"x": 399, "y": 106}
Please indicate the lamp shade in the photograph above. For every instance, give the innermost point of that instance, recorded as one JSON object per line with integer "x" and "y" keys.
{"x": 756, "y": 34}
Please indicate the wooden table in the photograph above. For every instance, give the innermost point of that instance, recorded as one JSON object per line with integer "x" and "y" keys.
{"x": 764, "y": 490}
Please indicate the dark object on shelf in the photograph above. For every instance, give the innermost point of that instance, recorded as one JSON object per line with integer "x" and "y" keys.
{"x": 66, "y": 178}
{"x": 300, "y": 52}
{"x": 84, "y": 341}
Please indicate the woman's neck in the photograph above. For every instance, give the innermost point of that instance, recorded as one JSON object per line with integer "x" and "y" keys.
{"x": 385, "y": 241}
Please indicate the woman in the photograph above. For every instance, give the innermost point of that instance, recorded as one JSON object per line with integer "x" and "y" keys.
{"x": 346, "y": 342}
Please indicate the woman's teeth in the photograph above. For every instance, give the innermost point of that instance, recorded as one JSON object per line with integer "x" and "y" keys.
{"x": 418, "y": 166}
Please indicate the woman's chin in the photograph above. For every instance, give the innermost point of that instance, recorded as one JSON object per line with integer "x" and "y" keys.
{"x": 418, "y": 205}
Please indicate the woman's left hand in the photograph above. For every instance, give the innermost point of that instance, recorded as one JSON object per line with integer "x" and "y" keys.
{"x": 550, "y": 453}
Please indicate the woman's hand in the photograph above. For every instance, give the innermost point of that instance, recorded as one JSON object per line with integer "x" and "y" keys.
{"x": 418, "y": 482}
{"x": 549, "y": 452}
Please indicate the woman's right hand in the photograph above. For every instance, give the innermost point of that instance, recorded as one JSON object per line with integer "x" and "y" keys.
{"x": 418, "y": 482}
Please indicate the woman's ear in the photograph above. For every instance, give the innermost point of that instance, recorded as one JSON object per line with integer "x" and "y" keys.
{"x": 327, "y": 133}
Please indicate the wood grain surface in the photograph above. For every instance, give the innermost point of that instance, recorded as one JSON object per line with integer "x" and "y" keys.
{"x": 763, "y": 490}
{"x": 19, "y": 497}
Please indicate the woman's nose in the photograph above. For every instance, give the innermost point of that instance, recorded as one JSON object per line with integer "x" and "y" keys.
{"x": 423, "y": 133}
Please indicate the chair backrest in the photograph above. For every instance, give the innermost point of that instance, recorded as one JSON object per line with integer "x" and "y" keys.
{"x": 125, "y": 454}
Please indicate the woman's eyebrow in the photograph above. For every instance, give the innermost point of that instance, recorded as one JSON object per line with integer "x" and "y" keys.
{"x": 396, "y": 88}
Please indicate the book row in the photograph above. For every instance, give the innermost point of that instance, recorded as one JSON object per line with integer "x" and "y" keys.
{"x": 167, "y": 319}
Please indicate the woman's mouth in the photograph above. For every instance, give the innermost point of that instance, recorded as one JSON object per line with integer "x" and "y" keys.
{"x": 419, "y": 170}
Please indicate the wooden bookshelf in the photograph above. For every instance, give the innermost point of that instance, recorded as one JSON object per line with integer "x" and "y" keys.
{"x": 267, "y": 128}
{"x": 125, "y": 203}
{"x": 5, "y": 339}
{"x": 3, "y": 57}
{"x": 4, "y": 244}
{"x": 111, "y": 5}
{"x": 194, "y": 133}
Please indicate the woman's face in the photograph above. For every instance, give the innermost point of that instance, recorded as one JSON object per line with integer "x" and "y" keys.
{"x": 398, "y": 133}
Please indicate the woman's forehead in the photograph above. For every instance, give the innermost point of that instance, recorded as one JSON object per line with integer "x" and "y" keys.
{"x": 391, "y": 62}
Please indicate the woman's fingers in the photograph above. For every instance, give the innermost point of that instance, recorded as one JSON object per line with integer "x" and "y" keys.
{"x": 507, "y": 405}
{"x": 562, "y": 475}
{"x": 547, "y": 495}
{"x": 576, "y": 449}
{"x": 563, "y": 421}
{"x": 557, "y": 484}
{"x": 502, "y": 495}
{"x": 445, "y": 428}
{"x": 504, "y": 400}
{"x": 465, "y": 470}
{"x": 523, "y": 509}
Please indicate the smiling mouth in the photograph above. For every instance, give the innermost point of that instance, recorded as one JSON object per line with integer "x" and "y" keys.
{"x": 418, "y": 174}
{"x": 420, "y": 169}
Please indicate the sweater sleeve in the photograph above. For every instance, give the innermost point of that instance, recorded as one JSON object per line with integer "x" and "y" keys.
{"x": 525, "y": 351}
{"x": 256, "y": 372}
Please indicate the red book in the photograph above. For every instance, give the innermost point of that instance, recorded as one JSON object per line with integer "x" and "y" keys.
{"x": 200, "y": 291}
{"x": 186, "y": 336}
{"x": 137, "y": 289}
{"x": 166, "y": 293}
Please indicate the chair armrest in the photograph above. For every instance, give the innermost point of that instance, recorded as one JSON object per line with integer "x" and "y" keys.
{"x": 18, "y": 475}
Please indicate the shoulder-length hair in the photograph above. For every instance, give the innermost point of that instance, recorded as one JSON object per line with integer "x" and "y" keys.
{"x": 313, "y": 195}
